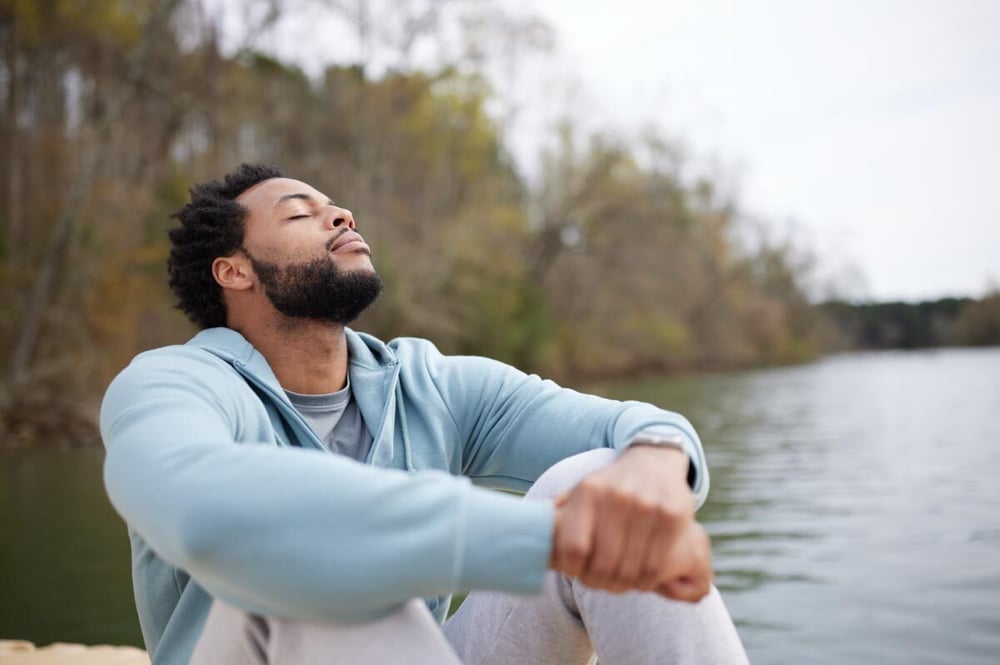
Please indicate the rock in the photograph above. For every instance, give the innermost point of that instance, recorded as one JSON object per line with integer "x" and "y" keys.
{"x": 20, "y": 652}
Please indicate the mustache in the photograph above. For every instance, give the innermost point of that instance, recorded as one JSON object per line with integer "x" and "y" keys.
{"x": 332, "y": 241}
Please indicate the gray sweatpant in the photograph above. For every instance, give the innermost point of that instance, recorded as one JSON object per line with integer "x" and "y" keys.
{"x": 567, "y": 624}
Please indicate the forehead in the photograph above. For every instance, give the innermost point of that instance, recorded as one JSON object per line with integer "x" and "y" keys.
{"x": 264, "y": 196}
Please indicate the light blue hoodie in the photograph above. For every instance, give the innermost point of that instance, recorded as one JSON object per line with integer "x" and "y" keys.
{"x": 279, "y": 526}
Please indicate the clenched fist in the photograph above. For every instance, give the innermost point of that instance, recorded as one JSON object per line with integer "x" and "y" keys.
{"x": 630, "y": 526}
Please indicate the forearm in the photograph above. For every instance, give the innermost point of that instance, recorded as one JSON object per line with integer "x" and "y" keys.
{"x": 288, "y": 532}
{"x": 303, "y": 533}
{"x": 519, "y": 425}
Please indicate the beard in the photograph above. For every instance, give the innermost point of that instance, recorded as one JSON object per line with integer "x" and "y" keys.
{"x": 317, "y": 289}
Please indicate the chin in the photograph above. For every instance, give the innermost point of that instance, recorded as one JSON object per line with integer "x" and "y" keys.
{"x": 363, "y": 265}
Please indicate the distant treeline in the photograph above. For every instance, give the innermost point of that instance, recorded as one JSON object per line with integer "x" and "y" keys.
{"x": 904, "y": 325}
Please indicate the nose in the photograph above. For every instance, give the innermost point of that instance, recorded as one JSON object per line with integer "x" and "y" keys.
{"x": 340, "y": 217}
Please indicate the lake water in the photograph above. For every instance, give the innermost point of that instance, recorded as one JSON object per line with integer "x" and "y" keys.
{"x": 855, "y": 514}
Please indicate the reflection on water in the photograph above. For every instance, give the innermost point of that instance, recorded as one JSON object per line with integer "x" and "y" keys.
{"x": 855, "y": 511}
{"x": 64, "y": 553}
{"x": 855, "y": 514}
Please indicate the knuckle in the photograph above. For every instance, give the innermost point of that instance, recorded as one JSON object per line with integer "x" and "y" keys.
{"x": 672, "y": 514}
{"x": 644, "y": 507}
{"x": 620, "y": 499}
{"x": 590, "y": 487}
{"x": 664, "y": 515}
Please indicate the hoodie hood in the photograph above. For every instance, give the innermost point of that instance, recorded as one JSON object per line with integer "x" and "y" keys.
{"x": 364, "y": 351}
{"x": 374, "y": 372}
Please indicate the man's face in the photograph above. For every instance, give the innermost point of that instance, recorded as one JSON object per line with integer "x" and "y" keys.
{"x": 306, "y": 253}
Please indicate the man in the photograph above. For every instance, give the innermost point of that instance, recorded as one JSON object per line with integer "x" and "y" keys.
{"x": 293, "y": 489}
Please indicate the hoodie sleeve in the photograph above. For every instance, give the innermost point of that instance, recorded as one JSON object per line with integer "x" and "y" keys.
{"x": 277, "y": 530}
{"x": 514, "y": 425}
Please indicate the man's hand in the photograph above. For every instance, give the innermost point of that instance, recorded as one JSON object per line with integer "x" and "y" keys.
{"x": 631, "y": 526}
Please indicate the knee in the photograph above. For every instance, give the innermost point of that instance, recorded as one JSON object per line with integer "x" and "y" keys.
{"x": 565, "y": 474}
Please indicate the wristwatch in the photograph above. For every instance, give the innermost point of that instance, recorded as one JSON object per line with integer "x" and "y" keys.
{"x": 657, "y": 439}
{"x": 674, "y": 440}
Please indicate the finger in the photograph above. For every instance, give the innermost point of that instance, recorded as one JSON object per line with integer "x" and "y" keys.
{"x": 611, "y": 534}
{"x": 573, "y": 541}
{"x": 640, "y": 537}
{"x": 692, "y": 557}
{"x": 661, "y": 561}
{"x": 687, "y": 589}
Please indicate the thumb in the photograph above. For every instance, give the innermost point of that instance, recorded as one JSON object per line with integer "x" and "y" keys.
{"x": 688, "y": 588}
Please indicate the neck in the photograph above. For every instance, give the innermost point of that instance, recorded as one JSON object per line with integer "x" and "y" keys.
{"x": 306, "y": 356}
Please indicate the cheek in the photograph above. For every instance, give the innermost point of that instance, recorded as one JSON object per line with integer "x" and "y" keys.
{"x": 293, "y": 249}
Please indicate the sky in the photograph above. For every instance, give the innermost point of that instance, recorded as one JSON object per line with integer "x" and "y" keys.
{"x": 867, "y": 131}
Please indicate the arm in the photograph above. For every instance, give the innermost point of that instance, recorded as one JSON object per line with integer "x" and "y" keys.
{"x": 514, "y": 426}
{"x": 628, "y": 526}
{"x": 276, "y": 530}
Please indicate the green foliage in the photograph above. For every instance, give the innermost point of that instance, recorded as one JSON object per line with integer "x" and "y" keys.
{"x": 902, "y": 325}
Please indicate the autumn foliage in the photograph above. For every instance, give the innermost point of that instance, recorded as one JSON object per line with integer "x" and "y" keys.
{"x": 613, "y": 261}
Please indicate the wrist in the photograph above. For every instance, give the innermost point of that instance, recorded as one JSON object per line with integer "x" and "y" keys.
{"x": 669, "y": 442}
{"x": 674, "y": 461}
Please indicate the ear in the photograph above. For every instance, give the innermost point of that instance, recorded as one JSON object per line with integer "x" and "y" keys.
{"x": 232, "y": 272}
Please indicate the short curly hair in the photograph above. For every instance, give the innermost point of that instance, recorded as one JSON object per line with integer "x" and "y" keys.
{"x": 212, "y": 225}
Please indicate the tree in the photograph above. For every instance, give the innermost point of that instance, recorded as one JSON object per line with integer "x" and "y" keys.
{"x": 978, "y": 322}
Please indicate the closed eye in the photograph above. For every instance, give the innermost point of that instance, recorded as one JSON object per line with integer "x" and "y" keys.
{"x": 299, "y": 217}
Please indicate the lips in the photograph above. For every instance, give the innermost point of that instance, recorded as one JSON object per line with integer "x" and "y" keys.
{"x": 350, "y": 241}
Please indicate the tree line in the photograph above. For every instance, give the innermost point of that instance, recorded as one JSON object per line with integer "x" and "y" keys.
{"x": 906, "y": 325}
{"x": 614, "y": 261}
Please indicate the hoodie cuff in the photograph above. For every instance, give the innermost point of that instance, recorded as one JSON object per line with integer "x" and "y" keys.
{"x": 507, "y": 542}
{"x": 697, "y": 476}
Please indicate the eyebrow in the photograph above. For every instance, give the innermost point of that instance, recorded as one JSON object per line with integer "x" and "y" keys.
{"x": 303, "y": 196}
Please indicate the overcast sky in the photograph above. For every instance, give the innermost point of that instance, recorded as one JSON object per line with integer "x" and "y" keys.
{"x": 870, "y": 128}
